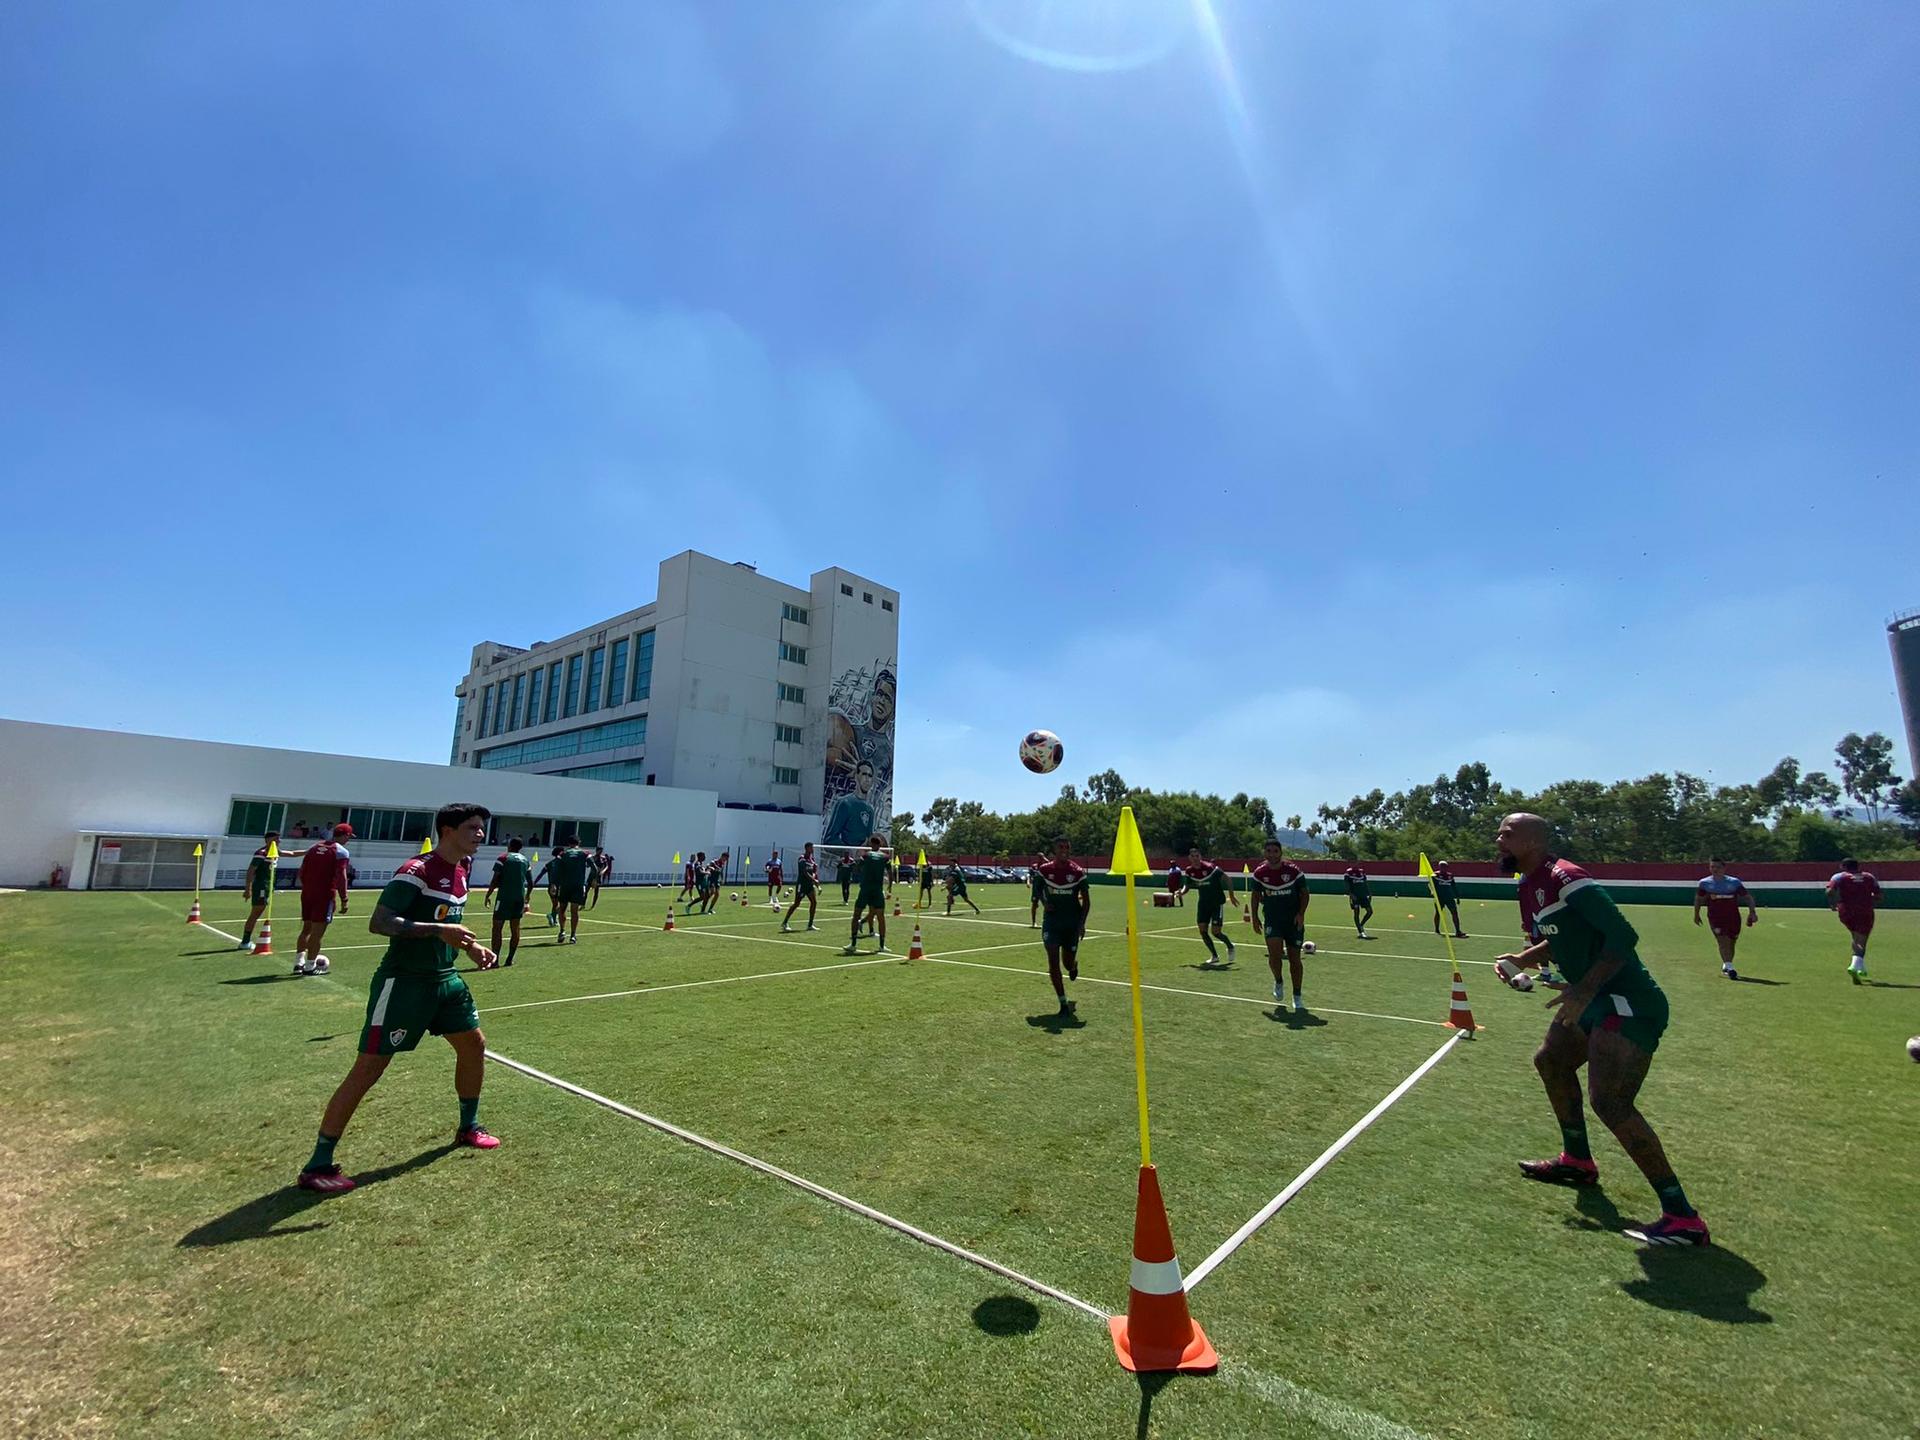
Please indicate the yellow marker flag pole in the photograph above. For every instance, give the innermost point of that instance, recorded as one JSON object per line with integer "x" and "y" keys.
{"x": 273, "y": 876}
{"x": 920, "y": 874}
{"x": 1130, "y": 860}
{"x": 1433, "y": 890}
{"x": 198, "y": 851}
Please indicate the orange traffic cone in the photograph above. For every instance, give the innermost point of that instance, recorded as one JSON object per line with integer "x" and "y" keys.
{"x": 1461, "y": 1017}
{"x": 1157, "y": 1333}
{"x": 896, "y": 907}
{"x": 915, "y": 951}
{"x": 669, "y": 924}
{"x": 193, "y": 915}
{"x": 264, "y": 945}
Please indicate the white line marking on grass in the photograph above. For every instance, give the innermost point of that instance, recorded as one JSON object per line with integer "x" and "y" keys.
{"x": 1234, "y": 1241}
{"x": 688, "y": 985}
{"x": 1321, "y": 949}
{"x": 328, "y": 979}
{"x": 1169, "y": 989}
{"x": 914, "y": 1232}
{"x": 1336, "y": 1417}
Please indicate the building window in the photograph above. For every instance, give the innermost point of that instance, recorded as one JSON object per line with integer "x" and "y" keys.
{"x": 553, "y": 692}
{"x": 847, "y": 590}
{"x": 796, "y": 653}
{"x": 255, "y": 817}
{"x": 486, "y": 707}
{"x": 867, "y": 596}
{"x": 459, "y": 719}
{"x": 571, "y": 706}
{"x": 608, "y": 736}
{"x": 783, "y": 775}
{"x": 519, "y": 694}
{"x": 786, "y": 734}
{"x": 793, "y": 613}
{"x": 596, "y": 673}
{"x": 794, "y": 693}
{"x": 500, "y": 706}
{"x": 643, "y": 666}
{"x": 617, "y": 673}
{"x": 390, "y": 826}
{"x": 886, "y": 604}
{"x": 624, "y": 772}
{"x": 533, "y": 696}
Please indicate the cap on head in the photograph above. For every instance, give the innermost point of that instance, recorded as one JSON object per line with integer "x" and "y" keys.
{"x": 343, "y": 831}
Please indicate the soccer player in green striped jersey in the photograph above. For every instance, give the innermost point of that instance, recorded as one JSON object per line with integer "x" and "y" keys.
{"x": 513, "y": 882}
{"x": 415, "y": 991}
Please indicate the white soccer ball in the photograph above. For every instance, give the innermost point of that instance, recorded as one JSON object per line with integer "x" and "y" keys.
{"x": 321, "y": 965}
{"x": 1913, "y": 1049}
{"x": 1513, "y": 975}
{"x": 733, "y": 895}
{"x": 1307, "y": 948}
{"x": 1042, "y": 752}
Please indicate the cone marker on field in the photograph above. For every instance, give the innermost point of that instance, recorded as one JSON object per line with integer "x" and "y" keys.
{"x": 1459, "y": 1015}
{"x": 1157, "y": 1333}
{"x": 669, "y": 924}
{"x": 916, "y": 951}
{"x": 264, "y": 945}
{"x": 193, "y": 915}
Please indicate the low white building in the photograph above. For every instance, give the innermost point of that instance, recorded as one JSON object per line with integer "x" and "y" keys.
{"x": 120, "y": 811}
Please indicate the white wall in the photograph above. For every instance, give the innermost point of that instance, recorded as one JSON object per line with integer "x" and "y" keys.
{"x": 756, "y": 832}
{"x": 58, "y": 782}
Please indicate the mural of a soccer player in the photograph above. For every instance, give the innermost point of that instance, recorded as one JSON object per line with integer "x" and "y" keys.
{"x": 859, "y": 786}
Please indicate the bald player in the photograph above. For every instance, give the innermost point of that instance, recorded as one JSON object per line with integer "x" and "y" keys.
{"x": 1609, "y": 1016}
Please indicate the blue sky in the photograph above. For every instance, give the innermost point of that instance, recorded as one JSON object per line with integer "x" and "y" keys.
{"x": 1267, "y": 396}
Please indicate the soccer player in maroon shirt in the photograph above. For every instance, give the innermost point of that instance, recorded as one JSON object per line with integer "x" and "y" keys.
{"x": 1722, "y": 894}
{"x": 1067, "y": 900}
{"x": 323, "y": 878}
{"x": 1852, "y": 893}
{"x": 1282, "y": 889}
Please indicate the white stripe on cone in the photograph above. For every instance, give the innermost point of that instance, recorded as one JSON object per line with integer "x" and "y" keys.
{"x": 1156, "y": 1277}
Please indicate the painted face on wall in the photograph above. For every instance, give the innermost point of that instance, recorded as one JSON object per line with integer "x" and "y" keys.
{"x": 863, "y": 777}
{"x": 884, "y": 687}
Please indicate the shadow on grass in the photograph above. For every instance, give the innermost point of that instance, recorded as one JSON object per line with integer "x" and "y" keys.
{"x": 320, "y": 1039}
{"x": 1055, "y": 1021}
{"x": 1006, "y": 1315}
{"x": 275, "y": 978}
{"x": 1151, "y": 1384}
{"x": 260, "y": 1219}
{"x": 202, "y": 954}
{"x": 1294, "y": 1019}
{"x": 1756, "y": 980}
{"x": 1889, "y": 985}
{"x": 1216, "y": 965}
{"x": 1710, "y": 1281}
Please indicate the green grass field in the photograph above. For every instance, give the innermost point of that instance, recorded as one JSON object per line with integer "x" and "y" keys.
{"x": 159, "y": 1276}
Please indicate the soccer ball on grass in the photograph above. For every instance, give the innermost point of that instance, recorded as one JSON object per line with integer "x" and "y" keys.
{"x": 1041, "y": 752}
{"x": 321, "y": 965}
{"x": 1306, "y": 947}
{"x": 1913, "y": 1049}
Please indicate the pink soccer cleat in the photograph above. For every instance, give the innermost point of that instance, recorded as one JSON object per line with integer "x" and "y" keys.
{"x": 325, "y": 1181}
{"x": 479, "y": 1138}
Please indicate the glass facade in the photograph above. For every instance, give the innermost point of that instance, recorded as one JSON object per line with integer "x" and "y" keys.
{"x": 608, "y": 736}
{"x": 626, "y": 772}
{"x": 553, "y": 692}
{"x": 617, "y": 673}
{"x": 642, "y": 666}
{"x": 533, "y": 695}
{"x": 572, "y": 705}
{"x": 596, "y": 676}
{"x": 256, "y": 817}
{"x": 486, "y": 709}
{"x": 459, "y": 719}
{"x": 519, "y": 695}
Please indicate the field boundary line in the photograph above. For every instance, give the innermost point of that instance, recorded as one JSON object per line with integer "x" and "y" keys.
{"x": 1300, "y": 1182}
{"x": 689, "y": 984}
{"x": 1171, "y": 989}
{"x": 740, "y": 1157}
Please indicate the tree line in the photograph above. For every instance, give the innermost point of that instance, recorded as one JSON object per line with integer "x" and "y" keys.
{"x": 1790, "y": 813}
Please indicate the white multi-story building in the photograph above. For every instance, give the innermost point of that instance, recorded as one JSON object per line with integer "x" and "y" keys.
{"x": 774, "y": 696}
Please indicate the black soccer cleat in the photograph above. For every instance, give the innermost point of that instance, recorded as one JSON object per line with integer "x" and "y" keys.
{"x": 1561, "y": 1170}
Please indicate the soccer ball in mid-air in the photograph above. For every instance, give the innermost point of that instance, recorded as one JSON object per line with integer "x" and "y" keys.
{"x": 1042, "y": 752}
{"x": 1913, "y": 1049}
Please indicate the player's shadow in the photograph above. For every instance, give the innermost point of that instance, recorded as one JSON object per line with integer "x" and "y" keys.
{"x": 202, "y": 954}
{"x": 261, "y": 1219}
{"x": 1212, "y": 965}
{"x": 1056, "y": 1021}
{"x": 1889, "y": 985}
{"x": 1756, "y": 980}
{"x": 1006, "y": 1315}
{"x": 1710, "y": 1281}
{"x": 275, "y": 978}
{"x": 1294, "y": 1019}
